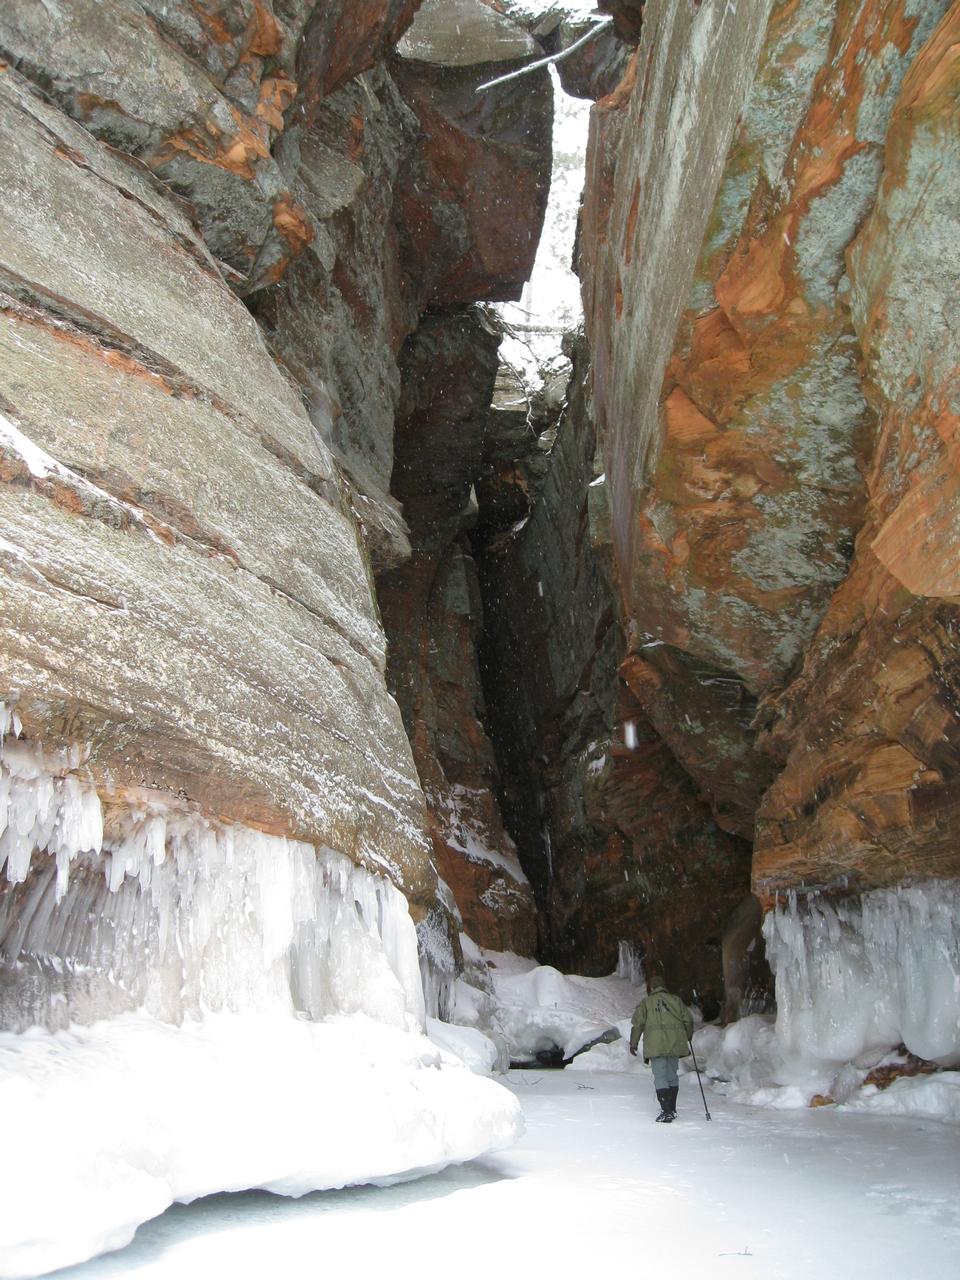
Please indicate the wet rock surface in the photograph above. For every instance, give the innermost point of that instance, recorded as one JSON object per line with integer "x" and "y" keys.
{"x": 186, "y": 594}
{"x": 433, "y": 617}
{"x": 775, "y": 414}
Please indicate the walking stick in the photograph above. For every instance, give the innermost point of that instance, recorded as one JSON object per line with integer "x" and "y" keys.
{"x": 695, "y": 1067}
{"x": 699, "y": 1081}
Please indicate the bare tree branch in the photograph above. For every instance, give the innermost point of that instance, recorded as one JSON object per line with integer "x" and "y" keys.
{"x": 600, "y": 24}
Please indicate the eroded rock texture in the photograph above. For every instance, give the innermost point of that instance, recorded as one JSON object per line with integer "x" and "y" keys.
{"x": 433, "y": 618}
{"x": 191, "y": 517}
{"x": 869, "y": 732}
{"x": 201, "y": 92}
{"x": 770, "y": 294}
{"x": 183, "y": 588}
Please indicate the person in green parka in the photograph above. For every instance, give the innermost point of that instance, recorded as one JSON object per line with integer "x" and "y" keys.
{"x": 666, "y": 1025}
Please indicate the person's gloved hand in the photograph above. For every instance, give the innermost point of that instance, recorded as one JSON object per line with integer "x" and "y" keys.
{"x": 633, "y": 1053}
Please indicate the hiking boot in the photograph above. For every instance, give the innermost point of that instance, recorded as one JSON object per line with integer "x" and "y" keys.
{"x": 663, "y": 1097}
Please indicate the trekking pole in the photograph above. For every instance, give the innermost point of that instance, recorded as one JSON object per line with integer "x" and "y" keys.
{"x": 695, "y": 1067}
{"x": 699, "y": 1081}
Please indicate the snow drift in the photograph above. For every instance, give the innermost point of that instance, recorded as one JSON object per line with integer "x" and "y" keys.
{"x": 530, "y": 1009}
{"x": 107, "y": 1125}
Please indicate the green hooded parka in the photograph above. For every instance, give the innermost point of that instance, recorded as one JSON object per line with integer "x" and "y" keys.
{"x": 665, "y": 1023}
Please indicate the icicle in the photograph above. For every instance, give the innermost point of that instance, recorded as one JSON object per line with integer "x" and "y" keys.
{"x": 150, "y": 904}
{"x": 629, "y": 963}
{"x": 855, "y": 975}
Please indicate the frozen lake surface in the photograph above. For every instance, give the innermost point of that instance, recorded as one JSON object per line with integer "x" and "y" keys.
{"x": 770, "y": 1195}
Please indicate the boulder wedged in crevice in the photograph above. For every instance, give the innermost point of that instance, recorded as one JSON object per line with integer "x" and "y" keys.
{"x": 420, "y": 194}
{"x": 472, "y": 200}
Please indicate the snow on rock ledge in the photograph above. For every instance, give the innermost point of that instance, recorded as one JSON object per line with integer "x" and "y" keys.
{"x": 114, "y": 1122}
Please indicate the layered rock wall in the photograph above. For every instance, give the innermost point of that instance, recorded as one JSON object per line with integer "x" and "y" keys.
{"x": 770, "y": 297}
{"x": 193, "y": 505}
{"x": 869, "y": 732}
{"x": 183, "y": 587}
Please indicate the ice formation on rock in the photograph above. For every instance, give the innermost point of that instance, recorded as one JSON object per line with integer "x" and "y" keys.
{"x": 139, "y": 903}
{"x": 180, "y": 1001}
{"x": 866, "y": 974}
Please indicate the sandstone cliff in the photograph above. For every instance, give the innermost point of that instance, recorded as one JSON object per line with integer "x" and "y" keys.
{"x": 194, "y": 502}
{"x": 770, "y": 302}
{"x": 678, "y": 623}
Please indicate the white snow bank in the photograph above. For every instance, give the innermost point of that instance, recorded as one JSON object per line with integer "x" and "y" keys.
{"x": 138, "y": 906}
{"x": 748, "y": 1063}
{"x": 474, "y": 1049}
{"x": 935, "y": 1097}
{"x": 105, "y": 1126}
{"x": 535, "y": 1008}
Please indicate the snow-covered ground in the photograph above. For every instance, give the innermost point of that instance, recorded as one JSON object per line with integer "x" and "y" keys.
{"x": 192, "y": 1007}
{"x": 596, "y": 1188}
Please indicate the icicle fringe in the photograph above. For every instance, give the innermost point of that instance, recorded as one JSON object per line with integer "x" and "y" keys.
{"x": 854, "y": 975}
{"x": 144, "y": 904}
